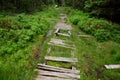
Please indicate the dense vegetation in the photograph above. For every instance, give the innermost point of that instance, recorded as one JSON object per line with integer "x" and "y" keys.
{"x": 99, "y": 8}
{"x": 100, "y": 28}
{"x": 24, "y": 24}
{"x": 93, "y": 53}
{"x": 20, "y": 38}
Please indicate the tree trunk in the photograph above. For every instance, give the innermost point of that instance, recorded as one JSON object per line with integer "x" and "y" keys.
{"x": 63, "y": 3}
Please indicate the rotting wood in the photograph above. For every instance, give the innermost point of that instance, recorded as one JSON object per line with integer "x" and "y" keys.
{"x": 84, "y": 36}
{"x": 61, "y": 45}
{"x": 51, "y": 78}
{"x": 57, "y": 69}
{"x": 48, "y": 50}
{"x": 57, "y": 30}
{"x": 117, "y": 66}
{"x": 57, "y": 40}
{"x": 63, "y": 26}
{"x": 61, "y": 34}
{"x": 61, "y": 59}
{"x": 60, "y": 42}
{"x": 58, "y": 74}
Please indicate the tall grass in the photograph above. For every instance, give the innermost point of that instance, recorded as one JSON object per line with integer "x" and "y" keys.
{"x": 20, "y": 39}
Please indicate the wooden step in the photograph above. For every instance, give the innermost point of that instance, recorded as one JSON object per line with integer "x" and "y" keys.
{"x": 61, "y": 34}
{"x": 58, "y": 42}
{"x": 51, "y": 78}
{"x": 58, "y": 74}
{"x": 61, "y": 59}
{"x": 57, "y": 69}
{"x": 57, "y": 30}
{"x": 86, "y": 36}
{"x": 65, "y": 46}
{"x": 63, "y": 26}
{"x": 117, "y": 66}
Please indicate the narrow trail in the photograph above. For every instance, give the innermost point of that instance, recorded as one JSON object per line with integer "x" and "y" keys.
{"x": 58, "y": 44}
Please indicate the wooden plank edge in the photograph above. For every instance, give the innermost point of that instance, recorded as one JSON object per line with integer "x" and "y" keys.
{"x": 112, "y": 66}
{"x": 57, "y": 69}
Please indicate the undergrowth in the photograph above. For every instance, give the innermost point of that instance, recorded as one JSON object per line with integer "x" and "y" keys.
{"x": 20, "y": 39}
{"x": 95, "y": 52}
{"x": 101, "y": 29}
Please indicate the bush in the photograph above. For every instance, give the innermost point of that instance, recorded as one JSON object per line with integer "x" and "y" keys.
{"x": 101, "y": 29}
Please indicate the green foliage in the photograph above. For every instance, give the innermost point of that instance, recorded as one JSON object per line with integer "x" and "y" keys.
{"x": 18, "y": 35}
{"x": 101, "y": 29}
{"x": 93, "y": 55}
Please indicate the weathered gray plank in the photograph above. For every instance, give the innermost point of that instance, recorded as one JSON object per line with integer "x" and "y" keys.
{"x": 112, "y": 66}
{"x": 62, "y": 59}
{"x": 61, "y": 34}
{"x": 57, "y": 30}
{"x": 58, "y": 74}
{"x": 51, "y": 78}
{"x": 59, "y": 42}
{"x": 48, "y": 50}
{"x": 57, "y": 69}
{"x": 61, "y": 45}
{"x": 84, "y": 36}
{"x": 63, "y": 26}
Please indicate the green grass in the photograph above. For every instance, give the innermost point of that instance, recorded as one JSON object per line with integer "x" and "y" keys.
{"x": 93, "y": 55}
{"x": 101, "y": 29}
{"x": 60, "y": 54}
{"x": 22, "y": 35}
{"x": 64, "y": 31}
{"x": 20, "y": 40}
{"x": 60, "y": 64}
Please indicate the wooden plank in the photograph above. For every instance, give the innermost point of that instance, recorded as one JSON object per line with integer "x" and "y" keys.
{"x": 60, "y": 42}
{"x": 62, "y": 59}
{"x": 63, "y": 26}
{"x": 112, "y": 66}
{"x": 57, "y": 30}
{"x": 51, "y": 78}
{"x": 61, "y": 34}
{"x": 61, "y": 45}
{"x": 57, "y": 69}
{"x": 84, "y": 36}
{"x": 58, "y": 74}
{"x": 48, "y": 50}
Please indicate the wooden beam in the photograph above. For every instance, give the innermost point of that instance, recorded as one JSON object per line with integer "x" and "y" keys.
{"x": 84, "y": 36}
{"x": 61, "y": 34}
{"x": 61, "y": 59}
{"x": 48, "y": 50}
{"x": 59, "y": 42}
{"x": 57, "y": 69}
{"x": 51, "y": 78}
{"x": 57, "y": 30}
{"x": 58, "y": 74}
{"x": 112, "y": 66}
{"x": 62, "y": 45}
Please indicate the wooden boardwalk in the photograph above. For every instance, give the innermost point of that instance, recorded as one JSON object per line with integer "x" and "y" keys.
{"x": 47, "y": 72}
